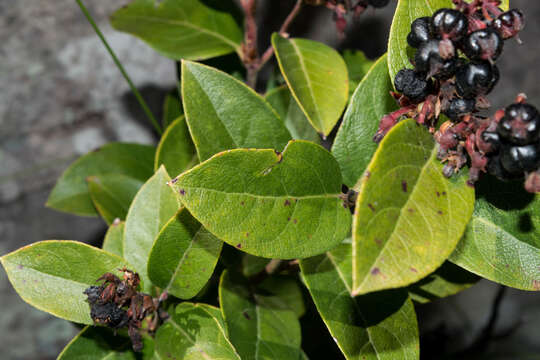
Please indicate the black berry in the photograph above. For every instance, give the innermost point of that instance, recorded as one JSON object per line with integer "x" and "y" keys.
{"x": 520, "y": 124}
{"x": 476, "y": 78}
{"x": 412, "y": 85}
{"x": 485, "y": 44}
{"x": 109, "y": 314}
{"x": 459, "y": 107}
{"x": 520, "y": 159}
{"x": 378, "y": 3}
{"x": 420, "y": 32}
{"x": 509, "y": 24}
{"x": 429, "y": 60}
{"x": 449, "y": 24}
{"x": 93, "y": 293}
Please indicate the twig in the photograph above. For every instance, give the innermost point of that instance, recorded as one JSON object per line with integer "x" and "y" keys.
{"x": 138, "y": 96}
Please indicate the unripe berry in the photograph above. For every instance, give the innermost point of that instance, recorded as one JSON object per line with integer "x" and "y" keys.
{"x": 378, "y": 3}
{"x": 420, "y": 32}
{"x": 459, "y": 107}
{"x": 476, "y": 78}
{"x": 509, "y": 24}
{"x": 412, "y": 85}
{"x": 520, "y": 124}
{"x": 520, "y": 159}
{"x": 449, "y": 24}
{"x": 484, "y": 44}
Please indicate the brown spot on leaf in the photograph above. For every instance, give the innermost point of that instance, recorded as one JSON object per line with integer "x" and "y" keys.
{"x": 368, "y": 174}
{"x": 239, "y": 246}
{"x": 404, "y": 186}
{"x": 440, "y": 212}
{"x": 247, "y": 234}
{"x": 378, "y": 241}
{"x": 20, "y": 267}
{"x": 375, "y": 271}
{"x": 413, "y": 270}
{"x": 182, "y": 192}
{"x": 444, "y": 192}
{"x": 536, "y": 284}
{"x": 242, "y": 203}
{"x": 173, "y": 181}
{"x": 437, "y": 193}
{"x": 370, "y": 205}
{"x": 411, "y": 210}
{"x": 246, "y": 315}
{"x": 295, "y": 221}
{"x": 288, "y": 219}
{"x": 287, "y": 203}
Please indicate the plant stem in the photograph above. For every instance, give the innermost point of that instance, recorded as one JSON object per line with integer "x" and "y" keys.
{"x": 140, "y": 99}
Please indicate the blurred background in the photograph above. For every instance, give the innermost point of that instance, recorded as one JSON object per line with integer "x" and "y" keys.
{"x": 61, "y": 96}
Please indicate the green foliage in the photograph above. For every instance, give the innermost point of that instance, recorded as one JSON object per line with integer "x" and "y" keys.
{"x": 354, "y": 147}
{"x": 114, "y": 239}
{"x": 180, "y": 29}
{"x": 172, "y": 109}
{"x": 289, "y": 203}
{"x": 317, "y": 77}
{"x": 222, "y": 113}
{"x": 71, "y": 191}
{"x": 176, "y": 150}
{"x": 52, "y": 275}
{"x": 358, "y": 66}
{"x": 183, "y": 256}
{"x": 408, "y": 217}
{"x": 375, "y": 326}
{"x": 154, "y": 205}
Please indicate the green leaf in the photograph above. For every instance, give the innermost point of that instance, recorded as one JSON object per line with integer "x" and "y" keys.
{"x": 502, "y": 241}
{"x": 358, "y": 66}
{"x": 100, "y": 343}
{"x": 183, "y": 256}
{"x": 408, "y": 217}
{"x": 222, "y": 113}
{"x": 252, "y": 265}
{"x": 70, "y": 193}
{"x": 154, "y": 205}
{"x": 114, "y": 239}
{"x": 448, "y": 280}
{"x": 399, "y": 52}
{"x": 176, "y": 149}
{"x": 52, "y": 275}
{"x": 194, "y": 332}
{"x": 269, "y": 204}
{"x": 288, "y": 290}
{"x": 260, "y": 326}
{"x": 354, "y": 147}
{"x": 112, "y": 194}
{"x": 317, "y": 77}
{"x": 296, "y": 122}
{"x": 377, "y": 326}
{"x": 172, "y": 108}
{"x": 184, "y": 29}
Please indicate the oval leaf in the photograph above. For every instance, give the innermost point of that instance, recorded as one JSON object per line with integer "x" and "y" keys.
{"x": 114, "y": 239}
{"x": 408, "y": 217}
{"x": 222, "y": 113}
{"x": 52, "y": 275}
{"x": 184, "y": 29}
{"x": 100, "y": 343}
{"x": 253, "y": 265}
{"x": 176, "y": 149}
{"x": 194, "y": 332}
{"x": 358, "y": 66}
{"x": 70, "y": 194}
{"x": 281, "y": 100}
{"x": 502, "y": 242}
{"x": 354, "y": 147}
{"x": 269, "y": 204}
{"x": 183, "y": 256}
{"x": 260, "y": 327}
{"x": 399, "y": 52}
{"x": 377, "y": 326}
{"x": 112, "y": 194}
{"x": 152, "y": 208}
{"x": 317, "y": 77}
{"x": 287, "y": 289}
{"x": 172, "y": 108}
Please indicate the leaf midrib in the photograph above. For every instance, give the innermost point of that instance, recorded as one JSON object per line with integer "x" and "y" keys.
{"x": 286, "y": 197}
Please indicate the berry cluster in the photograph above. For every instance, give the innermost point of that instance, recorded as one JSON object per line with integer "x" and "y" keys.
{"x": 342, "y": 8}
{"x": 117, "y": 304}
{"x": 454, "y": 70}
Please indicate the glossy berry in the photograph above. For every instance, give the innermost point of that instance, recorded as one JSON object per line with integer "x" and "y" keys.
{"x": 459, "y": 107}
{"x": 420, "y": 32}
{"x": 520, "y": 124}
{"x": 449, "y": 24}
{"x": 476, "y": 78}
{"x": 520, "y": 159}
{"x": 509, "y": 24}
{"x": 484, "y": 44}
{"x": 428, "y": 60}
{"x": 412, "y": 85}
{"x": 378, "y": 3}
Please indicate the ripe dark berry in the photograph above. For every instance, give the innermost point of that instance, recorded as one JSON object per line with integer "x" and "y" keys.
{"x": 459, "y": 107}
{"x": 509, "y": 24}
{"x": 520, "y": 124}
{"x": 420, "y": 32}
{"x": 429, "y": 60}
{"x": 93, "y": 293}
{"x": 378, "y": 3}
{"x": 485, "y": 44}
{"x": 109, "y": 314}
{"x": 449, "y": 24}
{"x": 520, "y": 159}
{"x": 476, "y": 78}
{"x": 412, "y": 85}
